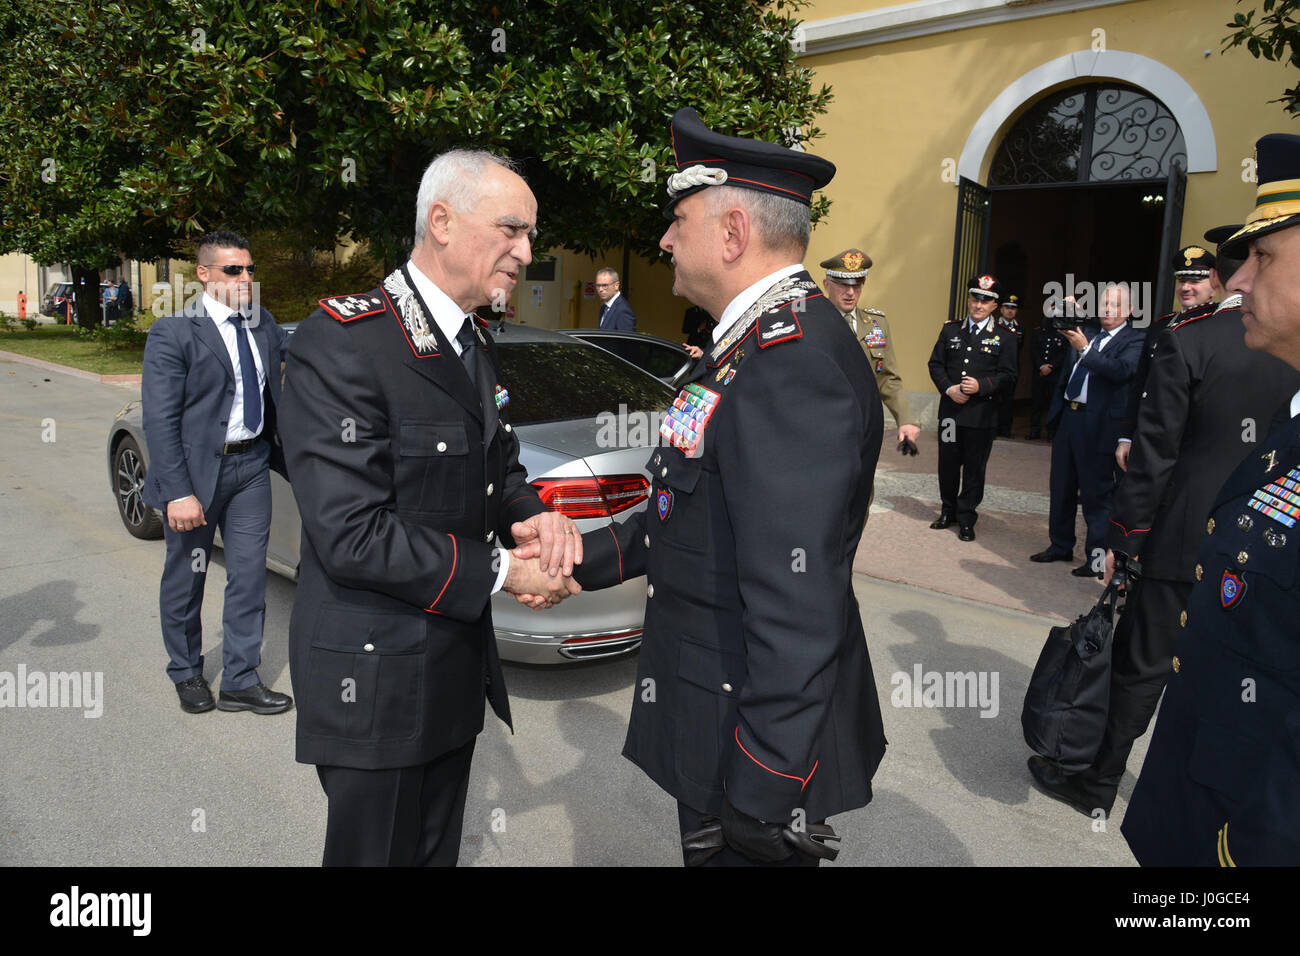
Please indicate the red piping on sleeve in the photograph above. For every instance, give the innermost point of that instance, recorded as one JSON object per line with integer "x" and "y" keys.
{"x": 451, "y": 574}
{"x": 610, "y": 528}
{"x": 1126, "y": 531}
{"x": 803, "y": 781}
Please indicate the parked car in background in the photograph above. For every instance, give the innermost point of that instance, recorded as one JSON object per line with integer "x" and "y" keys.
{"x": 55, "y": 302}
{"x": 664, "y": 359}
{"x": 559, "y": 387}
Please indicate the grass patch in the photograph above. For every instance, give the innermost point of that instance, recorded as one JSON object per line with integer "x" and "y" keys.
{"x": 62, "y": 345}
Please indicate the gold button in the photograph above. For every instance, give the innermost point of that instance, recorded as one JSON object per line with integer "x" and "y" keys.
{"x": 1200, "y": 571}
{"x": 1182, "y": 619}
{"x": 1177, "y": 664}
{"x": 1209, "y": 528}
{"x": 1242, "y": 557}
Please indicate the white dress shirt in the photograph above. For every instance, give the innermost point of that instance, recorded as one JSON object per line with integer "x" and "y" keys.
{"x": 235, "y": 428}
{"x": 1295, "y": 404}
{"x": 748, "y": 297}
{"x": 450, "y": 318}
{"x": 1100, "y": 347}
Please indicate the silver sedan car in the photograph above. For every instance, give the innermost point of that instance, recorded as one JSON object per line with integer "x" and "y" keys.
{"x": 585, "y": 420}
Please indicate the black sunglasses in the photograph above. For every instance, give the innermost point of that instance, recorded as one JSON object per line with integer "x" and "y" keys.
{"x": 234, "y": 270}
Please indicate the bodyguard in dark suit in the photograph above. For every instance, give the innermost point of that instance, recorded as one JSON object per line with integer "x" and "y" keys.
{"x": 407, "y": 475}
{"x": 972, "y": 364}
{"x": 1221, "y": 780}
{"x": 615, "y": 312}
{"x": 1008, "y": 310}
{"x": 1087, "y": 412}
{"x": 209, "y": 392}
{"x": 754, "y": 703}
{"x": 1208, "y": 400}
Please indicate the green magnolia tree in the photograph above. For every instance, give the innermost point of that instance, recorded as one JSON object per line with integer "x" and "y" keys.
{"x": 128, "y": 127}
{"x": 1274, "y": 35}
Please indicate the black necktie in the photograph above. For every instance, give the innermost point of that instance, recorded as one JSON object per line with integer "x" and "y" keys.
{"x": 468, "y": 342}
{"x": 247, "y": 375}
{"x": 603, "y": 310}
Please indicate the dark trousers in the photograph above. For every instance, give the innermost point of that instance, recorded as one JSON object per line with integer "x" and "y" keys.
{"x": 1079, "y": 471}
{"x": 961, "y": 471}
{"x": 689, "y": 819}
{"x": 1141, "y": 657}
{"x": 407, "y": 816}
{"x": 241, "y": 508}
{"x": 1041, "y": 400}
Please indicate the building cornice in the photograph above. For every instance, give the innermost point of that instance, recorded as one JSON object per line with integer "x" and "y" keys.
{"x": 924, "y": 17}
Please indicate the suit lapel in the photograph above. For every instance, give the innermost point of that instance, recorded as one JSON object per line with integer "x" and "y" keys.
{"x": 206, "y": 329}
{"x": 443, "y": 367}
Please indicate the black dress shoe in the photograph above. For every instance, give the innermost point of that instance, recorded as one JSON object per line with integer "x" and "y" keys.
{"x": 943, "y": 521}
{"x": 1085, "y": 571}
{"x": 1042, "y": 557}
{"x": 1066, "y": 787}
{"x": 258, "y": 698}
{"x": 195, "y": 695}
{"x": 966, "y": 533}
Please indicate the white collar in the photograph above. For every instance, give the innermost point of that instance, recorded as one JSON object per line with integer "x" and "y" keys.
{"x": 981, "y": 326}
{"x": 1295, "y": 404}
{"x": 446, "y": 313}
{"x": 612, "y": 299}
{"x": 740, "y": 303}
{"x": 217, "y": 310}
{"x": 1111, "y": 333}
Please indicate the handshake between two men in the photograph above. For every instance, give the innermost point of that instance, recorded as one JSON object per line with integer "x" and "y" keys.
{"x": 547, "y": 546}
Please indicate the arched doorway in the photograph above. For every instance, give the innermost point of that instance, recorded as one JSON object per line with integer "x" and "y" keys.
{"x": 1085, "y": 187}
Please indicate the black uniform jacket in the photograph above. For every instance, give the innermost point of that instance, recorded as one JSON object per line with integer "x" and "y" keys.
{"x": 1110, "y": 372}
{"x": 991, "y": 356}
{"x": 1222, "y": 775}
{"x": 754, "y": 678}
{"x": 1208, "y": 400}
{"x": 406, "y": 479}
{"x": 1046, "y": 347}
{"x": 1150, "y": 343}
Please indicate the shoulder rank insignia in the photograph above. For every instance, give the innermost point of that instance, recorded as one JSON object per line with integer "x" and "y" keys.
{"x": 771, "y": 305}
{"x": 346, "y": 308}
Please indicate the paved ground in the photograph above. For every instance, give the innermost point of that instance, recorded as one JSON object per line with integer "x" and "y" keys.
{"x": 145, "y": 783}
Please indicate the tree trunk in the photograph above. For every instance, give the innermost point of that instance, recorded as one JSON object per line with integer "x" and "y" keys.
{"x": 86, "y": 310}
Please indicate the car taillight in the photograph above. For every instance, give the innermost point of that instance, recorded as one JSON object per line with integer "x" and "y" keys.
{"x": 592, "y": 497}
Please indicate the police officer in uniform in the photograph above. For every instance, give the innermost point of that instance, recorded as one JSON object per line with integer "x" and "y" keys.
{"x": 1221, "y": 781}
{"x": 754, "y": 704}
{"x": 972, "y": 364}
{"x": 1046, "y": 355}
{"x": 405, "y": 466}
{"x": 846, "y": 274}
{"x": 1007, "y": 312}
{"x": 1195, "y": 288}
{"x": 1202, "y": 385}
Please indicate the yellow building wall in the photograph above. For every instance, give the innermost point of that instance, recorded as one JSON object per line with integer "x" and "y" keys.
{"x": 902, "y": 108}
{"x": 658, "y": 310}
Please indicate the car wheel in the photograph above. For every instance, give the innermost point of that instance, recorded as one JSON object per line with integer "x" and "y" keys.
{"x": 128, "y": 487}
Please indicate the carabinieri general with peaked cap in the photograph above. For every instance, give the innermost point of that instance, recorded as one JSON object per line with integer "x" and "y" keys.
{"x": 754, "y": 703}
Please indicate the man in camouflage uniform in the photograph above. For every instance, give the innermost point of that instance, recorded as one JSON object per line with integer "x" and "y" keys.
{"x": 845, "y": 275}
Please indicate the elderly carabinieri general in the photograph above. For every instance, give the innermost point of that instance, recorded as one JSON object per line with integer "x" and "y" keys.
{"x": 754, "y": 704}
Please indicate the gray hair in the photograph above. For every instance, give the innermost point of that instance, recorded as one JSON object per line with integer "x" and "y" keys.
{"x": 781, "y": 224}
{"x": 452, "y": 178}
{"x": 607, "y": 271}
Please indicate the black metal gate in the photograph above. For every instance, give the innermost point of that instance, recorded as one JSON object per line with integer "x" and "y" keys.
{"x": 1175, "y": 191}
{"x": 970, "y": 247}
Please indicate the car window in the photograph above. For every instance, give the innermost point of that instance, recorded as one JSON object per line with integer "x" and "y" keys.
{"x": 660, "y": 360}
{"x": 552, "y": 381}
